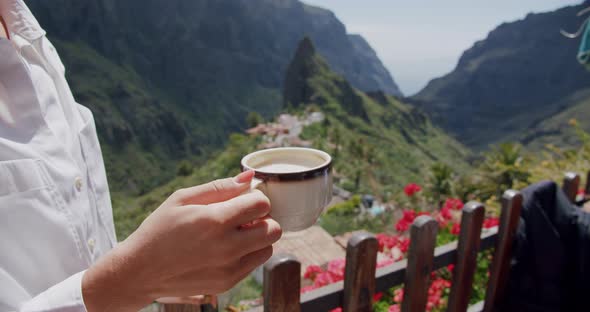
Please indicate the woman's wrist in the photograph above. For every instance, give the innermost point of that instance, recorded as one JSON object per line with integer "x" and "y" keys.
{"x": 109, "y": 285}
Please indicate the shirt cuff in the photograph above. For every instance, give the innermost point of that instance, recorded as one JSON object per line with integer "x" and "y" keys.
{"x": 65, "y": 296}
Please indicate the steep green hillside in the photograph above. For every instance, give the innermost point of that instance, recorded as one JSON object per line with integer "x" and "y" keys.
{"x": 521, "y": 74}
{"x": 169, "y": 80}
{"x": 557, "y": 129}
{"x": 378, "y": 143}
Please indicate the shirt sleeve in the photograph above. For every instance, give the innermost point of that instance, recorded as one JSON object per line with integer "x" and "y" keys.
{"x": 63, "y": 297}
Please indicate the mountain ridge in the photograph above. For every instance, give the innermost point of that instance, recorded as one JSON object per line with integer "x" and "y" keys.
{"x": 171, "y": 80}
{"x": 503, "y": 85}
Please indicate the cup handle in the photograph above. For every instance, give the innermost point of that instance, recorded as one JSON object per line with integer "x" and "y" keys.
{"x": 257, "y": 184}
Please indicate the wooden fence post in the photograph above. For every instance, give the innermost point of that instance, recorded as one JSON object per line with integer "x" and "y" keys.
{"x": 282, "y": 284}
{"x": 571, "y": 184}
{"x": 500, "y": 268}
{"x": 469, "y": 239}
{"x": 420, "y": 261}
{"x": 587, "y": 189}
{"x": 359, "y": 277}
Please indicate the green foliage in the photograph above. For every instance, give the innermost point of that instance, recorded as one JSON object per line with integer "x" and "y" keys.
{"x": 346, "y": 208}
{"x": 184, "y": 169}
{"x": 378, "y": 142}
{"x": 440, "y": 181}
{"x": 244, "y": 290}
{"x": 503, "y": 168}
{"x": 253, "y": 119}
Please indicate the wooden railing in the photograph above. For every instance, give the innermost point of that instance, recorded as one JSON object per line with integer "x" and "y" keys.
{"x": 282, "y": 273}
{"x": 571, "y": 185}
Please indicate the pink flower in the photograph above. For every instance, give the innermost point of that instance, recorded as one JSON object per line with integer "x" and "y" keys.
{"x": 312, "y": 271}
{"x": 385, "y": 262}
{"x": 336, "y": 310}
{"x": 450, "y": 267}
{"x": 581, "y": 192}
{"x": 398, "y": 295}
{"x": 442, "y": 222}
{"x": 336, "y": 269}
{"x": 491, "y": 222}
{"x": 394, "y": 308}
{"x": 455, "y": 229}
{"x": 307, "y": 289}
{"x": 412, "y": 189}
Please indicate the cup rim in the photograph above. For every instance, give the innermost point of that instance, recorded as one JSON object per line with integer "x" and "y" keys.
{"x": 319, "y": 170}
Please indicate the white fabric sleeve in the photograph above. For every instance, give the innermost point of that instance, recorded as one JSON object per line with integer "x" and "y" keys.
{"x": 63, "y": 297}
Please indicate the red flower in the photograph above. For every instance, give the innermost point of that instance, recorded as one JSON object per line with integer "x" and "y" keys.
{"x": 445, "y": 212}
{"x": 377, "y": 297}
{"x": 453, "y": 203}
{"x": 402, "y": 225}
{"x": 422, "y": 213}
{"x": 409, "y": 215}
{"x": 491, "y": 222}
{"x": 412, "y": 189}
{"x": 450, "y": 267}
{"x": 455, "y": 229}
{"x": 312, "y": 271}
{"x": 336, "y": 310}
{"x": 323, "y": 279}
{"x": 336, "y": 269}
{"x": 581, "y": 192}
{"x": 385, "y": 241}
{"x": 404, "y": 244}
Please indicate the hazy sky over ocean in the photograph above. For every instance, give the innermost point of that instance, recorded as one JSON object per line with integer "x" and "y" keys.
{"x": 421, "y": 40}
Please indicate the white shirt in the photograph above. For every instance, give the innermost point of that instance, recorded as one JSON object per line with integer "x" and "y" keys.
{"x": 55, "y": 210}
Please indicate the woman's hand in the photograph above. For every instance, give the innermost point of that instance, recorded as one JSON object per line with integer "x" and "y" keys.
{"x": 194, "y": 243}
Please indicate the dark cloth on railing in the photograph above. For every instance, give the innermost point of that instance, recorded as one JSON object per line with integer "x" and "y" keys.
{"x": 551, "y": 256}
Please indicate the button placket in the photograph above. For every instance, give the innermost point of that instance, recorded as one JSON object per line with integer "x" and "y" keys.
{"x": 78, "y": 184}
{"x": 91, "y": 243}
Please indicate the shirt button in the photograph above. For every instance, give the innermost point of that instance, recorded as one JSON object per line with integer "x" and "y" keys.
{"x": 78, "y": 183}
{"x": 91, "y": 243}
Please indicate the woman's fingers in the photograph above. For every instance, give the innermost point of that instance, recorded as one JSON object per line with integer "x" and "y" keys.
{"x": 214, "y": 191}
{"x": 259, "y": 235}
{"x": 251, "y": 261}
{"x": 242, "y": 209}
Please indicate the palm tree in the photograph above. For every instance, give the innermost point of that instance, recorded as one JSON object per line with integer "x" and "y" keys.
{"x": 439, "y": 182}
{"x": 503, "y": 168}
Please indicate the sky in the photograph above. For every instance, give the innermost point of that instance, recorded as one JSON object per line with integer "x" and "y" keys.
{"x": 418, "y": 40}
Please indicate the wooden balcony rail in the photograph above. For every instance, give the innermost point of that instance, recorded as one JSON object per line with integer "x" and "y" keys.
{"x": 282, "y": 273}
{"x": 571, "y": 185}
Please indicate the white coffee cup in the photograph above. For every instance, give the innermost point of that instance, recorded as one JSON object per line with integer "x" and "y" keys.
{"x": 298, "y": 182}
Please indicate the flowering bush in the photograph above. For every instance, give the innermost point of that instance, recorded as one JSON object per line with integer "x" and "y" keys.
{"x": 393, "y": 248}
{"x": 412, "y": 189}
